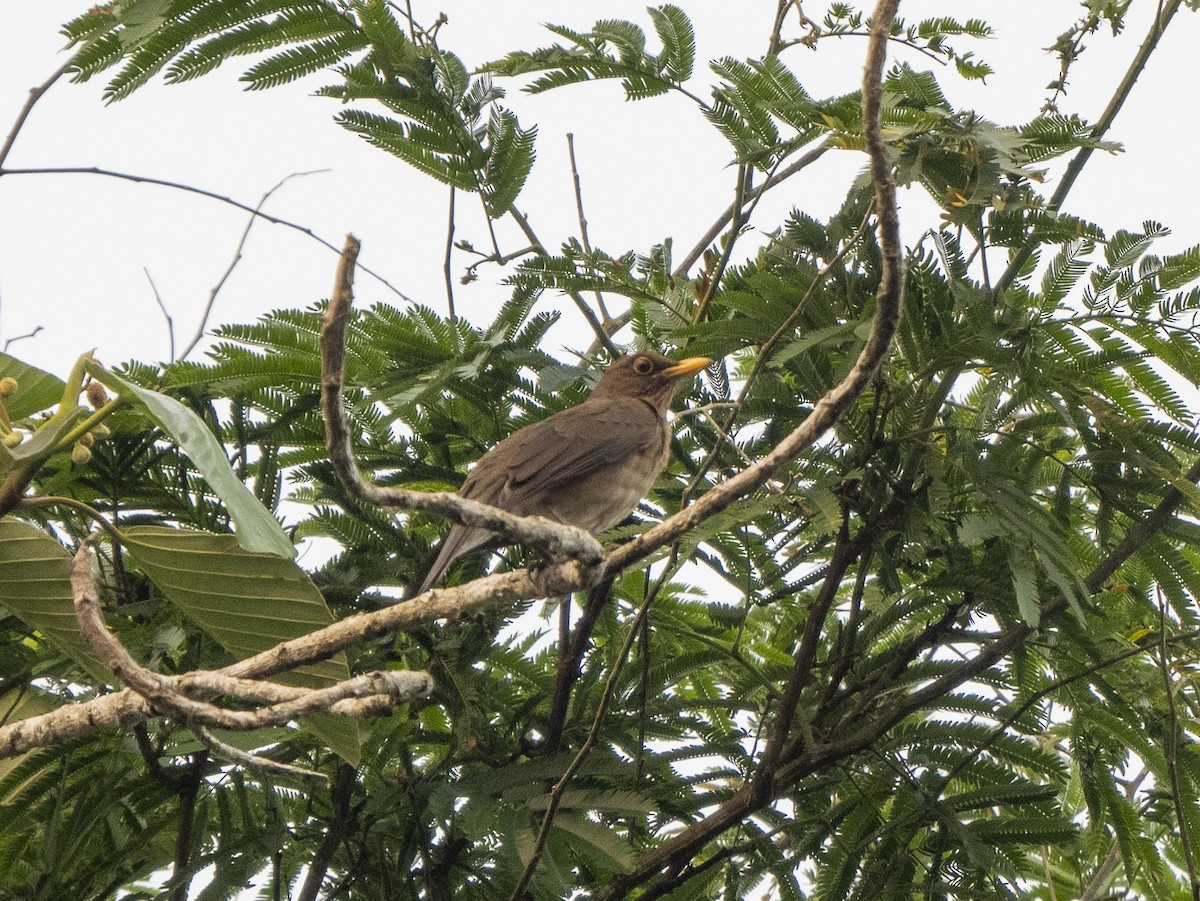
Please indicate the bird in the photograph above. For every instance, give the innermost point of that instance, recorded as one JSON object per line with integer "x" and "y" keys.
{"x": 586, "y": 466}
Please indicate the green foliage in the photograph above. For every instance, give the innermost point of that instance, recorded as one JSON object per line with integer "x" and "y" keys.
{"x": 443, "y": 121}
{"x": 997, "y": 700}
{"x": 932, "y": 36}
{"x": 613, "y": 48}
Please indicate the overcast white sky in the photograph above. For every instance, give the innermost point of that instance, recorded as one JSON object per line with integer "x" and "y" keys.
{"x": 73, "y": 248}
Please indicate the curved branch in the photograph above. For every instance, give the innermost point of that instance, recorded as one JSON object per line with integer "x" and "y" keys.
{"x": 35, "y": 94}
{"x": 237, "y": 258}
{"x": 553, "y": 537}
{"x": 889, "y": 296}
{"x": 366, "y": 695}
{"x": 212, "y": 195}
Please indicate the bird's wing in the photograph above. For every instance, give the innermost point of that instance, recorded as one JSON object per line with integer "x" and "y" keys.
{"x": 565, "y": 448}
{"x": 557, "y": 451}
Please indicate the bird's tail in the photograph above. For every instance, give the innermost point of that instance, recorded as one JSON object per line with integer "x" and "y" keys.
{"x": 462, "y": 540}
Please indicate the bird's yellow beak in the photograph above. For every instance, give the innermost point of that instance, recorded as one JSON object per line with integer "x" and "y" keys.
{"x": 686, "y": 367}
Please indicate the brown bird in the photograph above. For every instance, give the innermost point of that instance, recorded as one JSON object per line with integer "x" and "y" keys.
{"x": 587, "y": 466}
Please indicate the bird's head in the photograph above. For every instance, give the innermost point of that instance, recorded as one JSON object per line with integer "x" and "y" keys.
{"x": 647, "y": 376}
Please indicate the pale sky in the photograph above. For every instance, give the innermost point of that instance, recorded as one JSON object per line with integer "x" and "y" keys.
{"x": 73, "y": 249}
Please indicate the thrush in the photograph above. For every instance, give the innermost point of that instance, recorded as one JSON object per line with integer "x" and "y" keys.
{"x": 587, "y": 466}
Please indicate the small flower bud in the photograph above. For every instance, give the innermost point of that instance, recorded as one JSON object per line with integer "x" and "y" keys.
{"x": 80, "y": 454}
{"x": 12, "y": 439}
{"x": 96, "y": 395}
{"x": 101, "y": 431}
{"x": 87, "y": 439}
{"x": 8, "y": 386}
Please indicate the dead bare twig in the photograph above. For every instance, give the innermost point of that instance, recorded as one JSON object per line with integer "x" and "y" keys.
{"x": 166, "y": 314}
{"x": 184, "y": 697}
{"x": 237, "y": 258}
{"x": 584, "y": 238}
{"x": 718, "y": 226}
{"x": 35, "y": 94}
{"x": 602, "y": 332}
{"x": 212, "y": 195}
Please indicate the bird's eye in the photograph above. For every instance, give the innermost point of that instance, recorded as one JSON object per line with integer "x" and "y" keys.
{"x": 643, "y": 366}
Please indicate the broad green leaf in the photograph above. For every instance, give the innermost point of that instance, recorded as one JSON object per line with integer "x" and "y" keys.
{"x": 35, "y": 586}
{"x": 40, "y": 443}
{"x": 249, "y": 602}
{"x": 22, "y": 703}
{"x": 257, "y": 529}
{"x": 36, "y": 390}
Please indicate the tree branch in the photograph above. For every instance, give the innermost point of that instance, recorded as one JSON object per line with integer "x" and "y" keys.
{"x": 714, "y": 230}
{"x": 212, "y": 195}
{"x": 599, "y": 329}
{"x": 35, "y": 94}
{"x": 237, "y": 258}
{"x": 1099, "y": 130}
{"x": 552, "y": 537}
{"x": 366, "y": 695}
{"x": 343, "y": 788}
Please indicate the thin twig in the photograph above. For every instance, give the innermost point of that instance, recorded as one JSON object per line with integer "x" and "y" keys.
{"x": 252, "y": 761}
{"x": 35, "y": 94}
{"x": 572, "y": 648}
{"x": 583, "y": 226}
{"x": 564, "y": 781}
{"x": 212, "y": 195}
{"x": 446, "y": 260}
{"x": 845, "y": 552}
{"x": 714, "y": 230}
{"x": 1099, "y": 130}
{"x": 166, "y": 314}
{"x": 11, "y": 341}
{"x": 739, "y": 219}
{"x": 724, "y": 436}
{"x": 603, "y": 334}
{"x": 237, "y": 258}
{"x": 810, "y": 41}
{"x": 502, "y": 260}
{"x": 705, "y": 408}
{"x": 1171, "y": 750}
{"x": 764, "y": 353}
